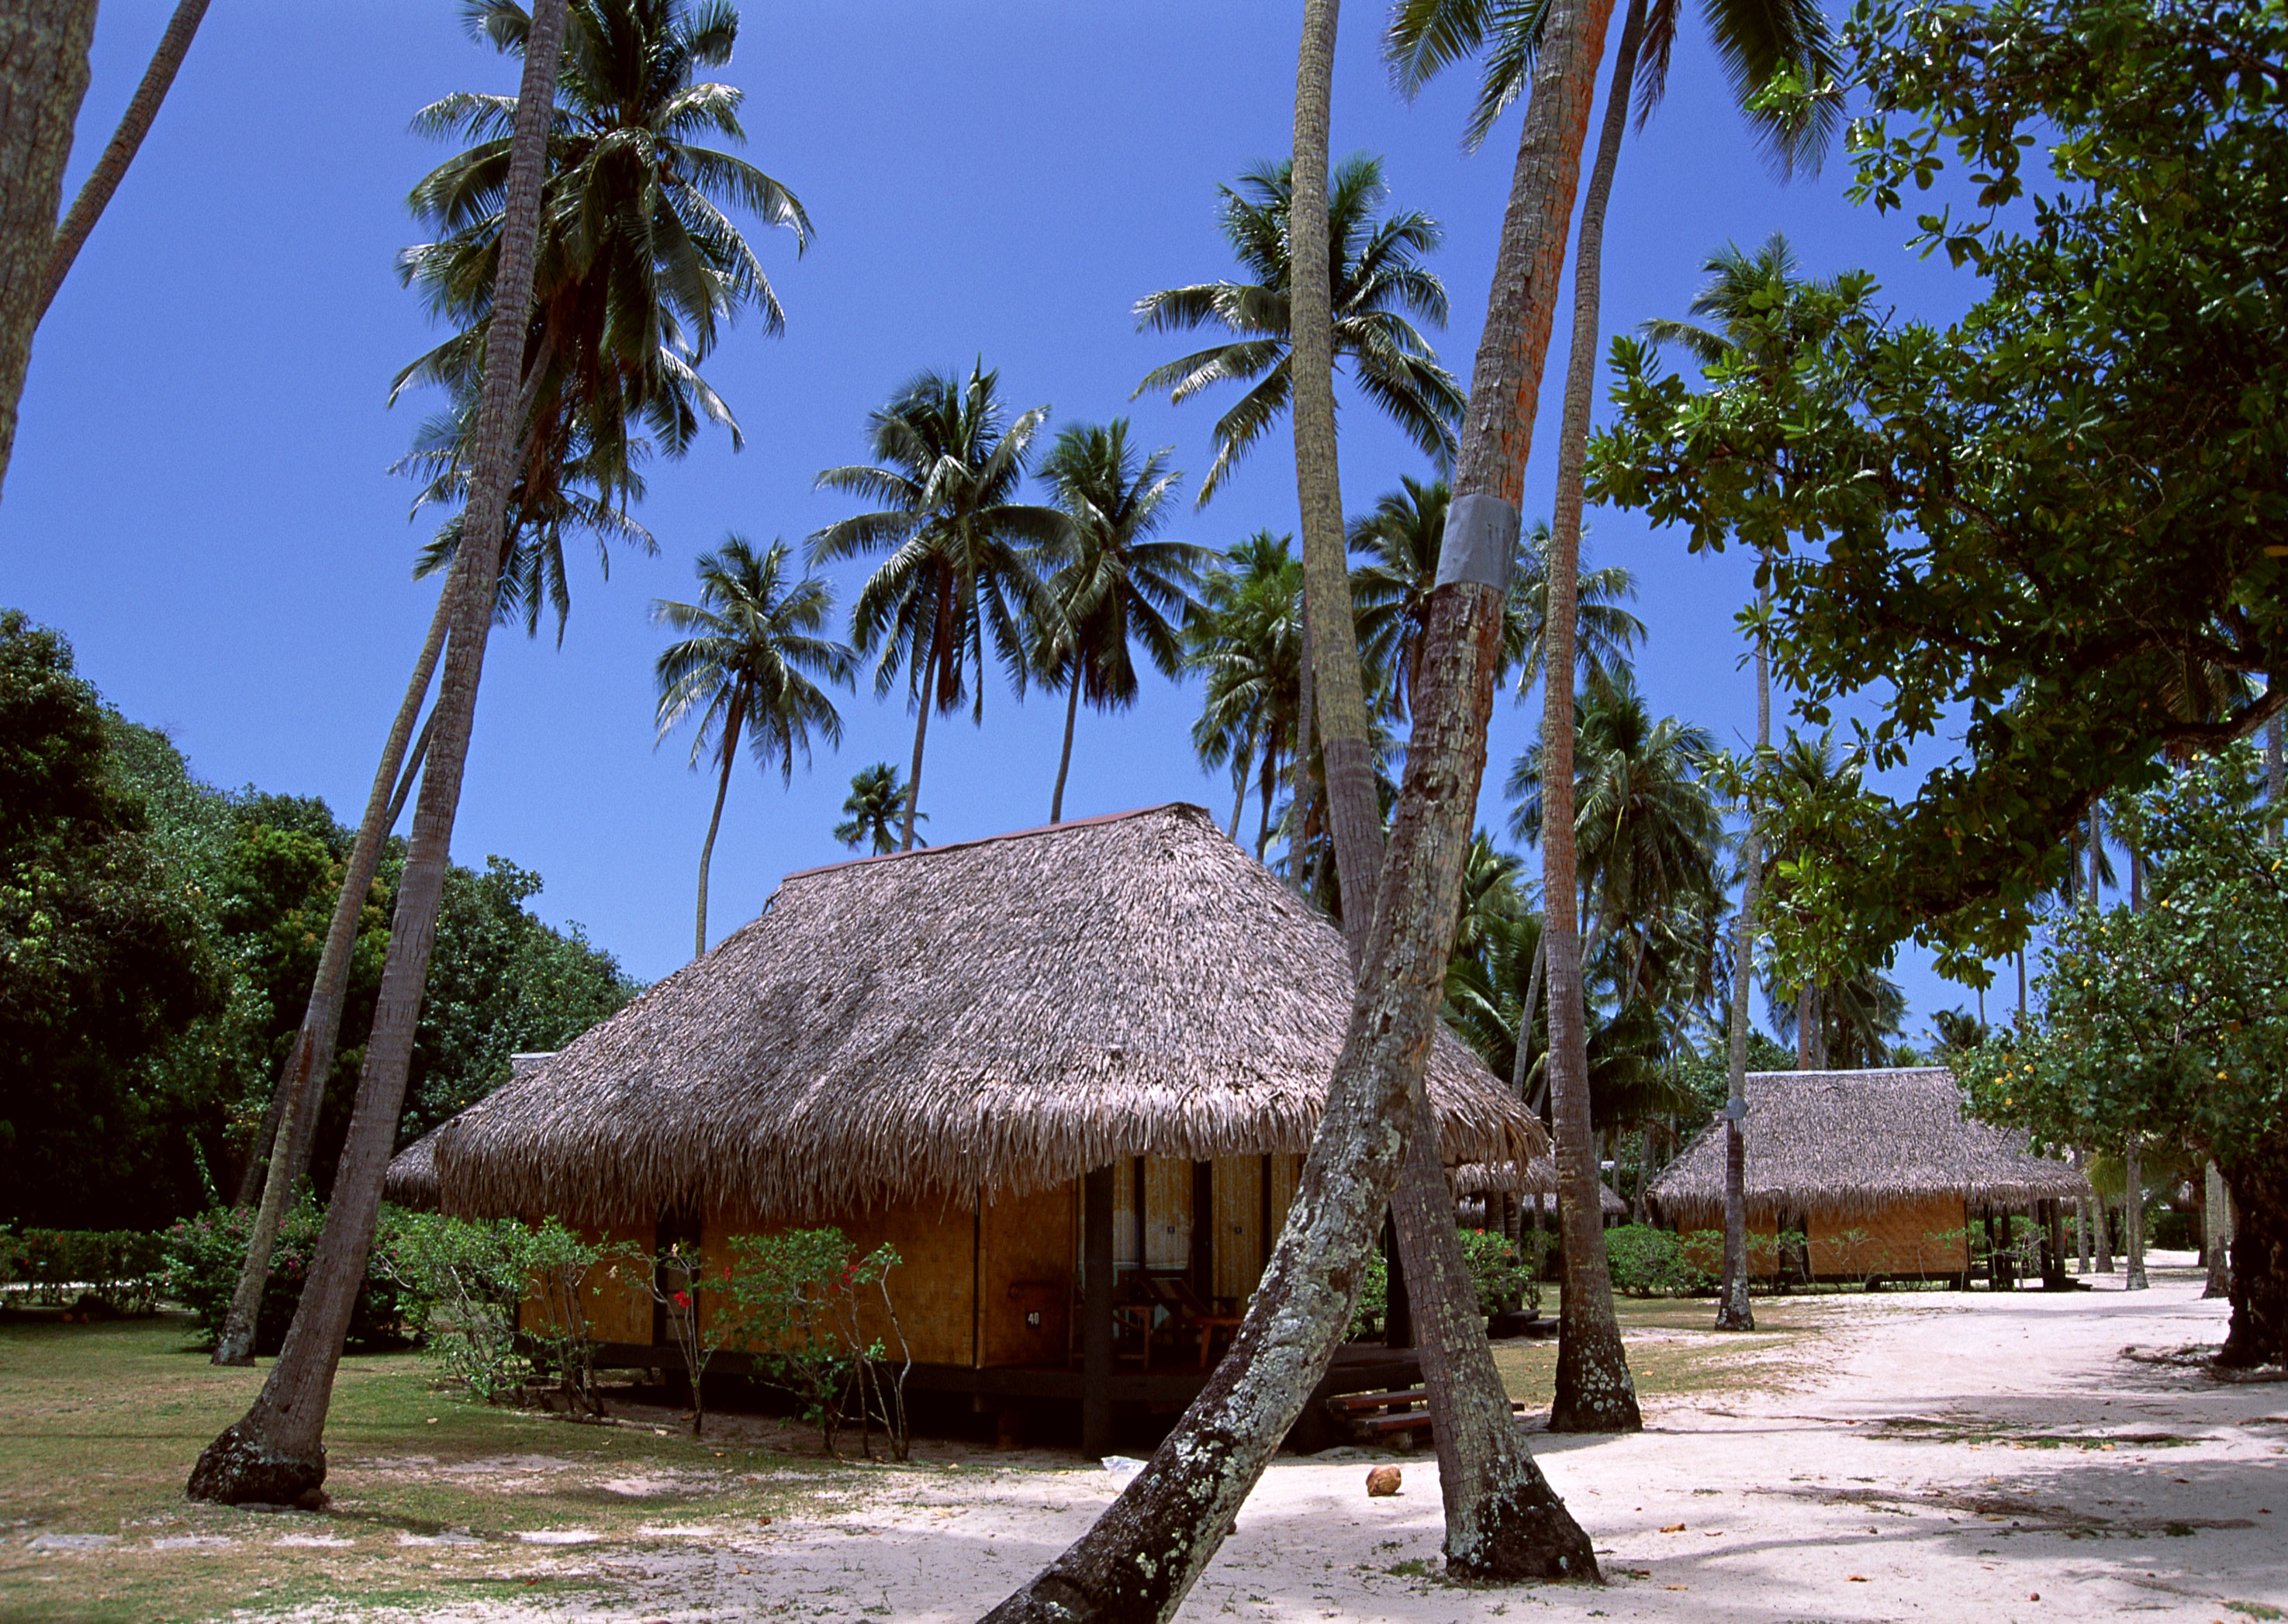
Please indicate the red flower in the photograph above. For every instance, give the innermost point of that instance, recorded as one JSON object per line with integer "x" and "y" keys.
{"x": 682, "y": 1300}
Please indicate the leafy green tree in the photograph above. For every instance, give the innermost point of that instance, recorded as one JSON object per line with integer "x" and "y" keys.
{"x": 964, "y": 552}
{"x": 502, "y": 982}
{"x": 874, "y": 810}
{"x": 2013, "y": 529}
{"x": 1117, "y": 585}
{"x": 1377, "y": 282}
{"x": 103, "y": 963}
{"x": 747, "y": 666}
{"x": 2171, "y": 1023}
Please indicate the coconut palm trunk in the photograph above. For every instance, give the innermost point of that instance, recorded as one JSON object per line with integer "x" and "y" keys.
{"x": 311, "y": 1061}
{"x": 1064, "y": 761}
{"x": 111, "y": 168}
{"x": 1733, "y": 1311}
{"x": 1142, "y": 1555}
{"x": 1479, "y": 1456}
{"x": 44, "y": 73}
{"x": 276, "y": 1453}
{"x": 1594, "y": 1391}
{"x": 1339, "y": 692}
{"x": 733, "y": 720}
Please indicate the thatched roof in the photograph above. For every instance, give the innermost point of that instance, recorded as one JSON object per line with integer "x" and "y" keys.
{"x": 1537, "y": 1180}
{"x": 1850, "y": 1142}
{"x": 410, "y": 1179}
{"x": 1003, "y": 1014}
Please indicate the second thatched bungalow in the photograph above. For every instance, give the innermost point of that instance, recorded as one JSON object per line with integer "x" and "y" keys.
{"x": 1880, "y": 1172}
{"x": 1088, "y": 1055}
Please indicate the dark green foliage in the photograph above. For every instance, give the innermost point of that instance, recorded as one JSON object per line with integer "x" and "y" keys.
{"x": 1504, "y": 1278}
{"x": 119, "y": 1269}
{"x": 205, "y": 1254}
{"x": 158, "y": 938}
{"x": 2049, "y": 529}
{"x": 501, "y": 983}
{"x": 1651, "y": 1262}
{"x": 103, "y": 963}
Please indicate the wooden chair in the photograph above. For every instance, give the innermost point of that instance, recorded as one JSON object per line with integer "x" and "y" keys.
{"x": 1174, "y": 1293}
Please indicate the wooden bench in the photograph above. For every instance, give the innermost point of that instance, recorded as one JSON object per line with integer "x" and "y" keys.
{"x": 1356, "y": 1412}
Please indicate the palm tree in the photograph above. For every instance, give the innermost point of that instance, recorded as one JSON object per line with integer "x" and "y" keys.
{"x": 1403, "y": 534}
{"x": 1245, "y": 636}
{"x": 1116, "y": 584}
{"x": 626, "y": 300}
{"x": 1646, "y": 830}
{"x": 1378, "y": 281}
{"x": 276, "y": 1453}
{"x": 874, "y": 809}
{"x": 640, "y": 268}
{"x": 747, "y": 667}
{"x": 963, "y": 551}
{"x": 1757, "y": 42}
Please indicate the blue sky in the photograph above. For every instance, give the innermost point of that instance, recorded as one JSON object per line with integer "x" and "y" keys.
{"x": 198, "y": 495}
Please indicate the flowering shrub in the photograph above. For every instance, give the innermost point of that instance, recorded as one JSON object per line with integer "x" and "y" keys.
{"x": 461, "y": 1280}
{"x": 799, "y": 1301}
{"x": 202, "y": 1257}
{"x": 1504, "y": 1280}
{"x": 118, "y": 1269}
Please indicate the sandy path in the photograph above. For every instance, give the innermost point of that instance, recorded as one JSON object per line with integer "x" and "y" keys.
{"x": 1897, "y": 1481}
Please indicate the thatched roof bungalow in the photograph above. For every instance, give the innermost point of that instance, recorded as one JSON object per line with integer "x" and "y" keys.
{"x": 939, "y": 1048}
{"x": 1536, "y": 1182}
{"x": 1880, "y": 1170}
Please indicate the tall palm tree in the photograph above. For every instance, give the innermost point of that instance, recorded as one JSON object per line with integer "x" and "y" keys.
{"x": 874, "y": 809}
{"x": 1504, "y": 1520}
{"x": 963, "y": 551}
{"x": 641, "y": 269}
{"x": 636, "y": 267}
{"x": 1757, "y": 41}
{"x": 276, "y": 1453}
{"x": 1401, "y": 538}
{"x": 1378, "y": 281}
{"x": 747, "y": 666}
{"x": 1647, "y": 829}
{"x": 1245, "y": 637}
{"x": 1117, "y": 583}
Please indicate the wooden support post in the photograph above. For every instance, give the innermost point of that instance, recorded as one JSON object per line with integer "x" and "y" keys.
{"x": 1203, "y": 1235}
{"x": 1398, "y": 1310}
{"x": 1096, "y": 1313}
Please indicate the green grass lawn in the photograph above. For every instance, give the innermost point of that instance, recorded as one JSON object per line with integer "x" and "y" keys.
{"x": 99, "y": 1425}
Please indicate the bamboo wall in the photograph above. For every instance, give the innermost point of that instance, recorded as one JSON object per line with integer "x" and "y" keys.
{"x": 994, "y": 1283}
{"x": 1895, "y": 1239}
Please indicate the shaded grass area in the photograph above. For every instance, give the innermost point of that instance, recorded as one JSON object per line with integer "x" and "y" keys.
{"x": 1674, "y": 1352}
{"x": 99, "y": 1425}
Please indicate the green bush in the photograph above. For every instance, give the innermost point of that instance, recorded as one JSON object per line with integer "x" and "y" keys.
{"x": 118, "y": 1268}
{"x": 203, "y": 1255}
{"x": 460, "y": 1281}
{"x": 1646, "y": 1262}
{"x": 795, "y": 1299}
{"x": 1504, "y": 1280}
{"x": 1373, "y": 1303}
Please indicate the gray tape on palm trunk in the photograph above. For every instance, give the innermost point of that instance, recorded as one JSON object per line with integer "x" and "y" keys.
{"x": 1480, "y": 543}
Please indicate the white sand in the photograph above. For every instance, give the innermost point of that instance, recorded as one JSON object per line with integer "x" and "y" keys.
{"x": 1857, "y": 1493}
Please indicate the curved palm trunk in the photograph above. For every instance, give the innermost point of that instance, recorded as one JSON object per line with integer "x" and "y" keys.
{"x": 1269, "y": 782}
{"x": 1239, "y": 776}
{"x": 1064, "y": 761}
{"x": 1470, "y": 1406}
{"x": 1144, "y": 1553}
{"x": 111, "y": 168}
{"x": 43, "y": 74}
{"x": 731, "y": 723}
{"x": 1594, "y": 1391}
{"x": 311, "y": 1061}
{"x": 276, "y": 1453}
{"x": 1733, "y": 1311}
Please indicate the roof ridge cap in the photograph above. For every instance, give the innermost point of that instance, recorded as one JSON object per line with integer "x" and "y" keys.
{"x": 986, "y": 840}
